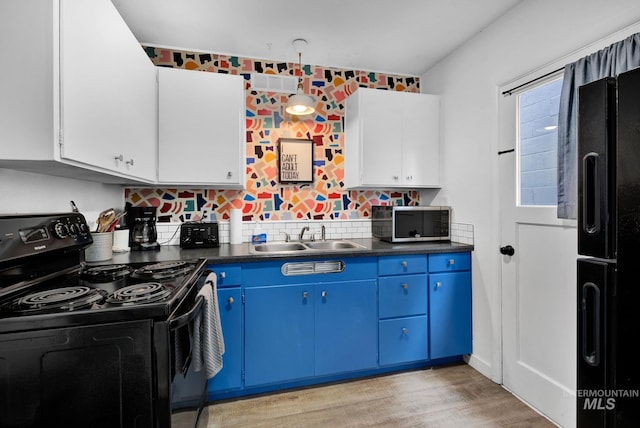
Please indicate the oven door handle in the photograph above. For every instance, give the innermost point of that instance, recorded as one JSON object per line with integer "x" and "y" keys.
{"x": 185, "y": 319}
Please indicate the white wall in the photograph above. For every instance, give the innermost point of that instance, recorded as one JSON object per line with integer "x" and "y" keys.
{"x": 27, "y": 193}
{"x": 532, "y": 35}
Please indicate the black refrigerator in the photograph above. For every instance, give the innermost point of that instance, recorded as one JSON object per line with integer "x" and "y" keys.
{"x": 608, "y": 377}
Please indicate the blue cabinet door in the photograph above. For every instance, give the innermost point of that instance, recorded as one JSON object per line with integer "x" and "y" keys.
{"x": 450, "y": 314}
{"x": 346, "y": 336}
{"x": 230, "y": 377}
{"x": 279, "y": 334}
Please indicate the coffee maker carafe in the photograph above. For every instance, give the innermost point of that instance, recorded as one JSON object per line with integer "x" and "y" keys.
{"x": 142, "y": 228}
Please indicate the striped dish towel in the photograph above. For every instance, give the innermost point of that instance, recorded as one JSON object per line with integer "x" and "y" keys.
{"x": 208, "y": 342}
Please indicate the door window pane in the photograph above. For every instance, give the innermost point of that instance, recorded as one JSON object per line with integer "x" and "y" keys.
{"x": 538, "y": 144}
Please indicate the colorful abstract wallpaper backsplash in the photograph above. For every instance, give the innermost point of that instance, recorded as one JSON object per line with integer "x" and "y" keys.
{"x": 266, "y": 121}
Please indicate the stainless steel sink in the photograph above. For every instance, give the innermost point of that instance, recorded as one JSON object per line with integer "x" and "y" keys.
{"x": 299, "y": 247}
{"x": 278, "y": 247}
{"x": 332, "y": 245}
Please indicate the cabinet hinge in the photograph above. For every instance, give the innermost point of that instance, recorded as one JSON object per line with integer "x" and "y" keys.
{"x": 60, "y": 137}
{"x": 244, "y": 298}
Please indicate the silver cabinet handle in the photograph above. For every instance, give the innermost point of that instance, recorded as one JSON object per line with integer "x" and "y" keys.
{"x": 129, "y": 162}
{"x": 222, "y": 275}
{"x": 409, "y": 177}
{"x": 452, "y": 262}
{"x": 395, "y": 177}
{"x": 405, "y": 330}
{"x": 405, "y": 285}
{"x": 324, "y": 293}
{"x": 305, "y": 295}
{"x": 438, "y": 284}
{"x": 404, "y": 264}
{"x": 230, "y": 300}
{"x": 229, "y": 174}
{"x": 119, "y": 158}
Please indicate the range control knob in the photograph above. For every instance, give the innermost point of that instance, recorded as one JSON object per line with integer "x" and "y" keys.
{"x": 60, "y": 230}
{"x": 73, "y": 230}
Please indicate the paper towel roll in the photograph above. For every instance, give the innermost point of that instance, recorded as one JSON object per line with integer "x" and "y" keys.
{"x": 235, "y": 226}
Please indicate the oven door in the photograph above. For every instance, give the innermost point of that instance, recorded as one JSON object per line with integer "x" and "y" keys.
{"x": 83, "y": 376}
{"x": 181, "y": 390}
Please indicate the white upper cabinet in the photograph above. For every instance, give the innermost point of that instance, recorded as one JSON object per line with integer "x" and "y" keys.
{"x": 201, "y": 128}
{"x": 392, "y": 140}
{"x": 81, "y": 93}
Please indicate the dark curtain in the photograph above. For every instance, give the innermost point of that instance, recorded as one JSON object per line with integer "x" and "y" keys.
{"x": 608, "y": 62}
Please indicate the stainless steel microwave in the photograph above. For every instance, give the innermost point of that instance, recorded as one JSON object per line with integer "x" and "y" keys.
{"x": 411, "y": 224}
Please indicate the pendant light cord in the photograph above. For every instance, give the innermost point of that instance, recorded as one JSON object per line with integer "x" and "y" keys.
{"x": 300, "y": 71}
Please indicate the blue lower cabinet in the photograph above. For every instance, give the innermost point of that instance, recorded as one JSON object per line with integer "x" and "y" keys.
{"x": 279, "y": 334}
{"x": 403, "y": 340}
{"x": 450, "y": 314}
{"x": 345, "y": 333}
{"x": 230, "y": 305}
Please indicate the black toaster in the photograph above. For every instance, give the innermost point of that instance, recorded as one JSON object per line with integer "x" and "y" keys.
{"x": 199, "y": 235}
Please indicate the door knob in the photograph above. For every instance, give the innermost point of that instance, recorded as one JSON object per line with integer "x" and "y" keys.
{"x": 507, "y": 250}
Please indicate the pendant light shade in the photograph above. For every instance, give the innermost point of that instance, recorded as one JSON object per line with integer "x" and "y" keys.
{"x": 300, "y": 104}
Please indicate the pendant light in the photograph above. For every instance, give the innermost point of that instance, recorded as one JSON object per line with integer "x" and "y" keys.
{"x": 300, "y": 104}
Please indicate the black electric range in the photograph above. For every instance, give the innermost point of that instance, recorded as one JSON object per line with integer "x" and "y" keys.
{"x": 90, "y": 345}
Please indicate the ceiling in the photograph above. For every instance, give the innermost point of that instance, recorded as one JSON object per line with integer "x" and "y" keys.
{"x": 404, "y": 37}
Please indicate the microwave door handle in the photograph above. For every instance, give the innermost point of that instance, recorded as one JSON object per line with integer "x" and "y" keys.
{"x": 591, "y": 194}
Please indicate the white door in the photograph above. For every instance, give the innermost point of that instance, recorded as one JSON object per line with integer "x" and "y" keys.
{"x": 539, "y": 279}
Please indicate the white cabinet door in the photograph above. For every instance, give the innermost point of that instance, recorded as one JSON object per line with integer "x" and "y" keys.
{"x": 392, "y": 139}
{"x": 420, "y": 140}
{"x": 108, "y": 91}
{"x": 201, "y": 128}
{"x": 382, "y": 126}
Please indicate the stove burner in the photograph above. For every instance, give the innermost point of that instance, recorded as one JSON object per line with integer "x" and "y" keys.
{"x": 59, "y": 299}
{"x": 139, "y": 293}
{"x": 163, "y": 270}
{"x": 105, "y": 273}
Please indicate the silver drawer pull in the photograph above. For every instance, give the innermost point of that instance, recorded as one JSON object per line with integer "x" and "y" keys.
{"x": 230, "y": 300}
{"x": 404, "y": 264}
{"x": 324, "y": 293}
{"x": 305, "y": 295}
{"x": 438, "y": 284}
{"x": 452, "y": 262}
{"x": 405, "y": 330}
{"x": 311, "y": 268}
{"x": 405, "y": 285}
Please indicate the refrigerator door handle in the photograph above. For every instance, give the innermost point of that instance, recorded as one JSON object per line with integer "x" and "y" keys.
{"x": 591, "y": 323}
{"x": 591, "y": 197}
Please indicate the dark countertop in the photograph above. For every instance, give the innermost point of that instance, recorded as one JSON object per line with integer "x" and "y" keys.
{"x": 228, "y": 253}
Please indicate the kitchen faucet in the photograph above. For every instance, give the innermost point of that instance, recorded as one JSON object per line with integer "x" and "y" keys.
{"x": 322, "y": 233}
{"x": 302, "y": 232}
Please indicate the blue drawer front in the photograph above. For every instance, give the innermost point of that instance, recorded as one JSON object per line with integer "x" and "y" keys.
{"x": 228, "y": 275}
{"x": 403, "y": 340}
{"x": 449, "y": 262}
{"x": 399, "y": 265}
{"x": 230, "y": 305}
{"x": 401, "y": 296}
{"x": 270, "y": 273}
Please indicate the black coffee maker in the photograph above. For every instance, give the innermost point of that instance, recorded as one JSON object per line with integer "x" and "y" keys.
{"x": 143, "y": 234}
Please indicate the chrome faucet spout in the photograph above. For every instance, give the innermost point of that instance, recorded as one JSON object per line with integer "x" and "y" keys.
{"x": 304, "y": 229}
{"x": 322, "y": 233}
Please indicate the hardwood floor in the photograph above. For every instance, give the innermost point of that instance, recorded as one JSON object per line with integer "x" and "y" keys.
{"x": 449, "y": 396}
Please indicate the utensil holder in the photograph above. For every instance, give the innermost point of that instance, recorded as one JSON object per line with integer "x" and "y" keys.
{"x": 101, "y": 249}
